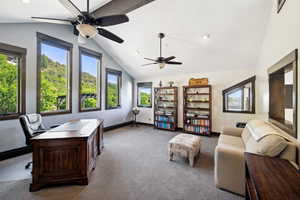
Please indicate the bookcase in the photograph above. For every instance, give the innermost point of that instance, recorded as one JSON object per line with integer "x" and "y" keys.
{"x": 165, "y": 108}
{"x": 197, "y": 110}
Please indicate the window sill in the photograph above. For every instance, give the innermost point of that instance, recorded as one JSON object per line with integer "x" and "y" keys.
{"x": 112, "y": 108}
{"x": 10, "y": 116}
{"x": 56, "y": 113}
{"x": 90, "y": 110}
{"x": 239, "y": 112}
{"x": 144, "y": 106}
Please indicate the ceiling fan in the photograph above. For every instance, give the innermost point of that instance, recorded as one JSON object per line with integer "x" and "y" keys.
{"x": 85, "y": 24}
{"x": 161, "y": 60}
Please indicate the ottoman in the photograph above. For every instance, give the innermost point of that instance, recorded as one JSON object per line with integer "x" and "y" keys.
{"x": 185, "y": 145}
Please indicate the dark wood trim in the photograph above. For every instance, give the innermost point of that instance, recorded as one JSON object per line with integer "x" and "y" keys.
{"x": 280, "y": 4}
{"x": 119, "y": 74}
{"x": 94, "y": 54}
{"x": 15, "y": 152}
{"x": 21, "y": 54}
{"x": 56, "y": 113}
{"x": 143, "y": 84}
{"x": 42, "y": 38}
{"x": 53, "y": 41}
{"x": 292, "y": 60}
{"x": 236, "y": 86}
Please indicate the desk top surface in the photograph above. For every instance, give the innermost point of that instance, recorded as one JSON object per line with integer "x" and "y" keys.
{"x": 73, "y": 129}
{"x": 274, "y": 178}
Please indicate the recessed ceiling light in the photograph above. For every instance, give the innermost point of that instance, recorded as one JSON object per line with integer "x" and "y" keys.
{"x": 26, "y": 1}
{"x": 206, "y": 37}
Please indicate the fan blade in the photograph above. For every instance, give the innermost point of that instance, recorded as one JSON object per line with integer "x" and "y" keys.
{"x": 111, "y": 20}
{"x": 169, "y": 58}
{"x": 174, "y": 63}
{"x": 149, "y": 64}
{"x": 119, "y": 6}
{"x": 109, "y": 35}
{"x": 71, "y": 7}
{"x": 150, "y": 59}
{"x": 51, "y": 20}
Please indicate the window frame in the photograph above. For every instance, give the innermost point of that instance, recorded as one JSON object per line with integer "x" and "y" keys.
{"x": 119, "y": 74}
{"x": 144, "y": 84}
{"x": 237, "y": 86}
{"x": 94, "y": 54}
{"x": 58, "y": 43}
{"x": 21, "y": 53}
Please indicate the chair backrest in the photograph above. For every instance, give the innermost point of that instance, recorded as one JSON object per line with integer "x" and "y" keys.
{"x": 31, "y": 123}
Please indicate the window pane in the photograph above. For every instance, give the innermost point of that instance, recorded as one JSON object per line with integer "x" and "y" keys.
{"x": 54, "y": 86}
{"x": 90, "y": 82}
{"x": 240, "y": 98}
{"x": 144, "y": 96}
{"x": 112, "y": 90}
{"x": 9, "y": 84}
{"x": 234, "y": 100}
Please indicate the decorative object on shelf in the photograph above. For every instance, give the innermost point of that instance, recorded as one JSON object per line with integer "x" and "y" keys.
{"x": 198, "y": 81}
{"x": 162, "y": 61}
{"x": 280, "y": 4}
{"x": 165, "y": 108}
{"x": 197, "y": 109}
{"x": 135, "y": 112}
{"x": 171, "y": 83}
{"x": 160, "y": 83}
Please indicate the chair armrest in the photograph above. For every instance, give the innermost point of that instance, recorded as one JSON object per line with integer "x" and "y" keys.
{"x": 237, "y": 132}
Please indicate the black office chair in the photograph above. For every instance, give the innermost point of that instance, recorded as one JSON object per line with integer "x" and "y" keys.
{"x": 32, "y": 126}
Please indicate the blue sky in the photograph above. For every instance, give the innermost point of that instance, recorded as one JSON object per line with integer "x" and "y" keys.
{"x": 89, "y": 64}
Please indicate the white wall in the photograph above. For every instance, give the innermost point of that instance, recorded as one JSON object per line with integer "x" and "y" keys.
{"x": 219, "y": 80}
{"x": 24, "y": 35}
{"x": 282, "y": 37}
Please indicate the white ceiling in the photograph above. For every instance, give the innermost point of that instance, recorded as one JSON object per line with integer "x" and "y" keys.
{"x": 236, "y": 27}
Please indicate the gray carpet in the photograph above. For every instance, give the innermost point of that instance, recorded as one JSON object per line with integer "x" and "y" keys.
{"x": 133, "y": 166}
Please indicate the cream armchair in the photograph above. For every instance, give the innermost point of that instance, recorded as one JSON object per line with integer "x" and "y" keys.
{"x": 257, "y": 137}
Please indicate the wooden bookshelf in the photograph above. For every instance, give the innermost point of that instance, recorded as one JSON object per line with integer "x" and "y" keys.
{"x": 165, "y": 108}
{"x": 197, "y": 110}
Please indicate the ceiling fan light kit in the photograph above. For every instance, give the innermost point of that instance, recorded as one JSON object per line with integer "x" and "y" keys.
{"x": 87, "y": 30}
{"x": 162, "y": 61}
{"x": 85, "y": 24}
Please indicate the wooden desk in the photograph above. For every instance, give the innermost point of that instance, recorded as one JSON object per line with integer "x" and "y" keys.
{"x": 271, "y": 179}
{"x": 66, "y": 154}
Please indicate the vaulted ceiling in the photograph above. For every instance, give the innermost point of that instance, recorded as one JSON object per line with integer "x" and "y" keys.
{"x": 236, "y": 30}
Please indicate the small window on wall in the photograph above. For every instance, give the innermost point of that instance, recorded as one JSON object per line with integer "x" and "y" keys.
{"x": 240, "y": 98}
{"x": 113, "y": 85}
{"x": 144, "y": 91}
{"x": 89, "y": 80}
{"x": 54, "y": 75}
{"x": 12, "y": 81}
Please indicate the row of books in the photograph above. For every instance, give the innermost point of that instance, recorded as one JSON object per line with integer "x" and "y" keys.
{"x": 197, "y": 129}
{"x": 163, "y": 125}
{"x": 164, "y": 118}
{"x": 200, "y": 122}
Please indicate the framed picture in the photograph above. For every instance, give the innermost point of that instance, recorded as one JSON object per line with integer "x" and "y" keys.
{"x": 280, "y": 4}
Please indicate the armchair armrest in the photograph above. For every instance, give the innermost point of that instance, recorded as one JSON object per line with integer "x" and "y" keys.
{"x": 237, "y": 132}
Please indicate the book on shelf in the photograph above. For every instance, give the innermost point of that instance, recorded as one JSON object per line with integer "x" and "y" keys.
{"x": 164, "y": 118}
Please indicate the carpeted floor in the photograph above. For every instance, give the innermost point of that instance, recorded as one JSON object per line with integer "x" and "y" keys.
{"x": 133, "y": 166}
